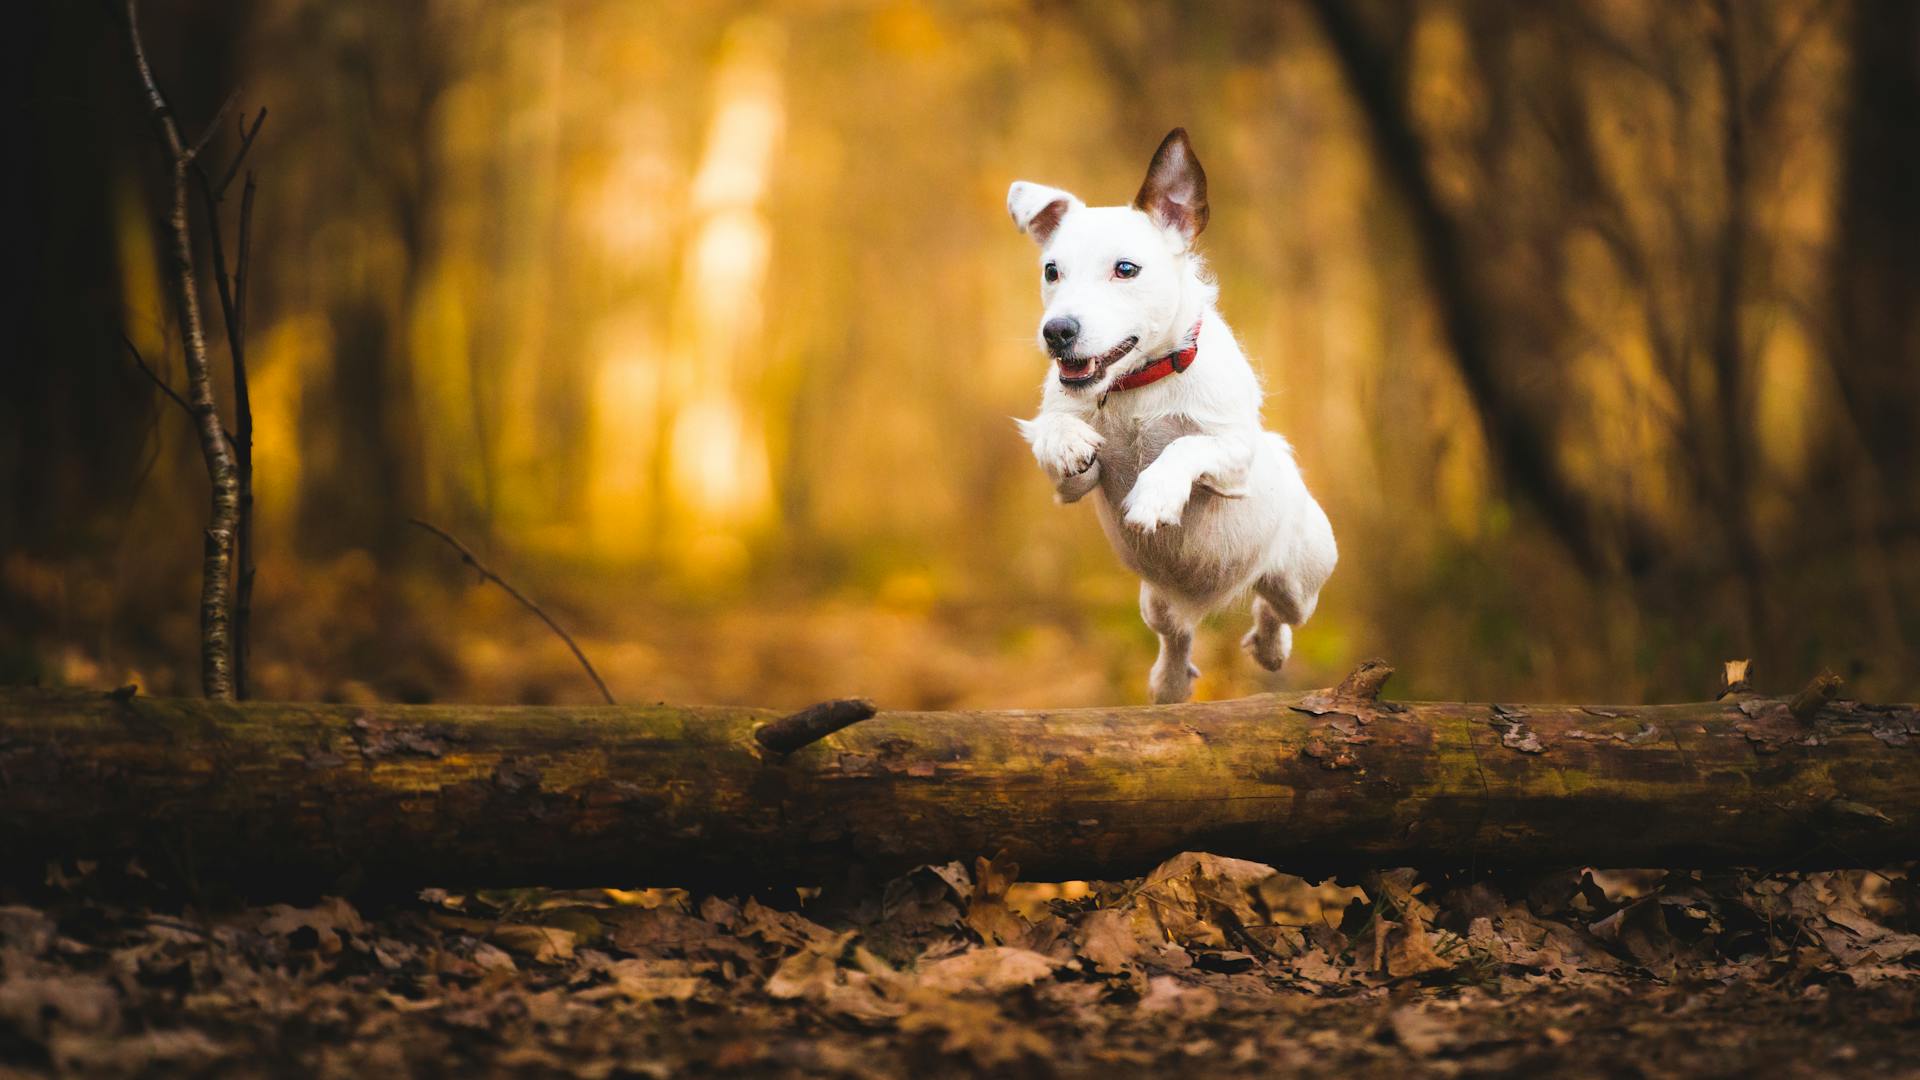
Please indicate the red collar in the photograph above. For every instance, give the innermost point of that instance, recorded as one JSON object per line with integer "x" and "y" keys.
{"x": 1171, "y": 364}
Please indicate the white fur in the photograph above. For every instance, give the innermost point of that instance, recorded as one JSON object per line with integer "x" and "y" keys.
{"x": 1194, "y": 495}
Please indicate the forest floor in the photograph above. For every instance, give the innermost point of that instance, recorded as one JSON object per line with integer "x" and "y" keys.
{"x": 1208, "y": 965}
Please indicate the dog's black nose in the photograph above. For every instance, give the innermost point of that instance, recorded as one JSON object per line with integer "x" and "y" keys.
{"x": 1060, "y": 333}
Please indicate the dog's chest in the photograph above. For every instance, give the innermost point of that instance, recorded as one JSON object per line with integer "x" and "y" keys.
{"x": 1132, "y": 444}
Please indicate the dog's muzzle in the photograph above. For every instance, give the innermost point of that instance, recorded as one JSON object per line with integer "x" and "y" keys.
{"x": 1081, "y": 370}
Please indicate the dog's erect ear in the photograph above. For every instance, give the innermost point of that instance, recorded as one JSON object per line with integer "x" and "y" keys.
{"x": 1175, "y": 192}
{"x": 1037, "y": 208}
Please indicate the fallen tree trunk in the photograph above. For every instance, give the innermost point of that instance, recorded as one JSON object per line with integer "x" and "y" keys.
{"x": 282, "y": 798}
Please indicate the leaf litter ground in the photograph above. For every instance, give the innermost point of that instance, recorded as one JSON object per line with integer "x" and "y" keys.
{"x": 1209, "y": 965}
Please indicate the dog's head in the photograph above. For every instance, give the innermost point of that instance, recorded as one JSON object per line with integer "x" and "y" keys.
{"x": 1113, "y": 276}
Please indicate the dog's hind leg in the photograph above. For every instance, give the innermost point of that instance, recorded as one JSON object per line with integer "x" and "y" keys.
{"x": 1173, "y": 673}
{"x": 1279, "y": 605}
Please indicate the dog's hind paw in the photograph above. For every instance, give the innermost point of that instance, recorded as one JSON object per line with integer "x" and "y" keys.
{"x": 1170, "y": 685}
{"x": 1270, "y": 651}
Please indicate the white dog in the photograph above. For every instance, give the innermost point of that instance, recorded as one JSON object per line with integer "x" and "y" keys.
{"x": 1153, "y": 406}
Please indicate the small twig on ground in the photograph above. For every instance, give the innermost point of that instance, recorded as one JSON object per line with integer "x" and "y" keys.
{"x": 813, "y": 723}
{"x": 467, "y": 556}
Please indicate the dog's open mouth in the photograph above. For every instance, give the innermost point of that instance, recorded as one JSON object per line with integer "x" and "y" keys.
{"x": 1079, "y": 370}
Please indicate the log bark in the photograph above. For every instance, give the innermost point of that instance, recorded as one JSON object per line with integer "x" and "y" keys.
{"x": 272, "y": 799}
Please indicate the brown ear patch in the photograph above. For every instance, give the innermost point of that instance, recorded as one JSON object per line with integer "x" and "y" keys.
{"x": 1174, "y": 193}
{"x": 1047, "y": 220}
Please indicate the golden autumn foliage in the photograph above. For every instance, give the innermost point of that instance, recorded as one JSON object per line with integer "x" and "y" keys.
{"x": 705, "y": 322}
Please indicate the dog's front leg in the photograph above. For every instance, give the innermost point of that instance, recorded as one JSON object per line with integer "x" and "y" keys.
{"x": 1066, "y": 448}
{"x": 1218, "y": 463}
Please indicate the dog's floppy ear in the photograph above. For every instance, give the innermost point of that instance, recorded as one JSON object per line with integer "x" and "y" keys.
{"x": 1174, "y": 194}
{"x": 1037, "y": 208}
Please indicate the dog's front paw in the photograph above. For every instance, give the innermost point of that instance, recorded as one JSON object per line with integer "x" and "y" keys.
{"x": 1064, "y": 446}
{"x": 1072, "y": 489}
{"x": 1156, "y": 499}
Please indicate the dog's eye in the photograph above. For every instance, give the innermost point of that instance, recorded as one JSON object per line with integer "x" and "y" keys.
{"x": 1051, "y": 273}
{"x": 1125, "y": 269}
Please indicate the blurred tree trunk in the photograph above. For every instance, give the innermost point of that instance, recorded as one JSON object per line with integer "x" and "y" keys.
{"x": 1876, "y": 272}
{"x": 1733, "y": 394}
{"x": 75, "y": 415}
{"x": 81, "y": 430}
{"x": 1519, "y": 440}
{"x": 362, "y": 434}
{"x": 365, "y": 416}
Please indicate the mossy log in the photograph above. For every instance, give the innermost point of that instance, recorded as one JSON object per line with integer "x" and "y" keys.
{"x": 271, "y": 799}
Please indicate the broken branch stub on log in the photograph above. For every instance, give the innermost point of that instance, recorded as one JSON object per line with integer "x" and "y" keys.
{"x": 813, "y": 723}
{"x": 282, "y": 798}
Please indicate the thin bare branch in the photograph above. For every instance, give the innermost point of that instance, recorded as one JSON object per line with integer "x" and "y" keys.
{"x": 243, "y": 448}
{"x": 242, "y": 261}
{"x": 166, "y": 388}
{"x": 154, "y": 377}
{"x": 467, "y": 556}
{"x": 213, "y": 125}
{"x": 247, "y": 135}
{"x": 232, "y": 290}
{"x": 156, "y": 102}
{"x": 216, "y": 447}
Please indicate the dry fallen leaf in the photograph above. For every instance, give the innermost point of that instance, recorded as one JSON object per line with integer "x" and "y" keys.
{"x": 1195, "y": 899}
{"x": 1421, "y": 1032}
{"x": 976, "y": 1029}
{"x": 783, "y": 928}
{"x": 1166, "y": 994}
{"x": 1640, "y": 930}
{"x": 642, "y": 979}
{"x": 541, "y": 944}
{"x": 991, "y": 969}
{"x": 1315, "y": 966}
{"x": 327, "y": 919}
{"x": 37, "y": 1004}
{"x": 987, "y": 912}
{"x": 815, "y": 974}
{"x": 1405, "y": 949}
{"x": 1106, "y": 939}
{"x": 492, "y": 958}
{"x": 1299, "y": 985}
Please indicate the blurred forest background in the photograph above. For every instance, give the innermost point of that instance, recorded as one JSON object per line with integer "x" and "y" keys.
{"x": 1594, "y": 323}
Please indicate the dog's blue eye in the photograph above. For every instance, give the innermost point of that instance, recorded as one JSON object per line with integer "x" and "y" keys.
{"x": 1125, "y": 269}
{"x": 1051, "y": 273}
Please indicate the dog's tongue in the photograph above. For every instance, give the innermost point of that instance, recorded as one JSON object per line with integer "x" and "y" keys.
{"x": 1073, "y": 369}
